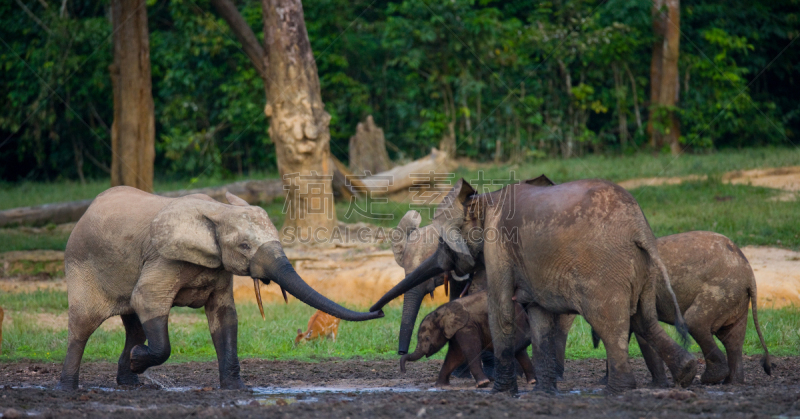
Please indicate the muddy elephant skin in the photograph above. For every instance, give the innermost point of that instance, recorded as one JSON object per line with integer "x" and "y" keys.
{"x": 715, "y": 286}
{"x": 465, "y": 324}
{"x": 581, "y": 247}
{"x": 136, "y": 255}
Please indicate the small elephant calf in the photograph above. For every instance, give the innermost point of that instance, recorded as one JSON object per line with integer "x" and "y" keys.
{"x": 321, "y": 324}
{"x": 465, "y": 324}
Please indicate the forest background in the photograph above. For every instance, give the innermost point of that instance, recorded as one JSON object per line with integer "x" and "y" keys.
{"x": 511, "y": 81}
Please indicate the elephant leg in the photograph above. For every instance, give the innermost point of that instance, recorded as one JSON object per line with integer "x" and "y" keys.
{"x": 452, "y": 360}
{"x": 134, "y": 335}
{"x": 654, "y": 364}
{"x": 699, "y": 327}
{"x": 682, "y": 365}
{"x": 543, "y": 325}
{"x": 470, "y": 345}
{"x": 223, "y": 324}
{"x": 157, "y": 350}
{"x": 562, "y": 333}
{"x": 527, "y": 365}
{"x": 81, "y": 326}
{"x": 612, "y": 324}
{"x": 487, "y": 360}
{"x": 502, "y": 327}
{"x": 732, "y": 337}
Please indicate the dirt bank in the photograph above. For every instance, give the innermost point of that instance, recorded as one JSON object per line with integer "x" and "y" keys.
{"x": 370, "y": 389}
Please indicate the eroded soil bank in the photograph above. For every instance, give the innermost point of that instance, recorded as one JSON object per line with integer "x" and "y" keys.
{"x": 356, "y": 388}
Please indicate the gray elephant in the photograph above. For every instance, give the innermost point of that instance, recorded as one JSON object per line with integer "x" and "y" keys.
{"x": 464, "y": 323}
{"x": 411, "y": 245}
{"x": 715, "y": 286}
{"x": 136, "y": 255}
{"x": 581, "y": 247}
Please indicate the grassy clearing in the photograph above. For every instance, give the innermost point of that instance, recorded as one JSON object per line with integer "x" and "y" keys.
{"x": 26, "y": 338}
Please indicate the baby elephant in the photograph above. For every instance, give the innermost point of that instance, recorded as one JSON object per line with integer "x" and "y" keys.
{"x": 714, "y": 285}
{"x": 465, "y": 324}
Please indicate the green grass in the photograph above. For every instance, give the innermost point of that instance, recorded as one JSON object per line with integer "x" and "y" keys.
{"x": 26, "y": 338}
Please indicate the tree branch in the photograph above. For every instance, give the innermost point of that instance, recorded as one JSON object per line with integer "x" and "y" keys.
{"x": 252, "y": 48}
{"x": 33, "y": 16}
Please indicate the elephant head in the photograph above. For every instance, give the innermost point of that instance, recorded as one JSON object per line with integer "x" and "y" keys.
{"x": 436, "y": 329}
{"x": 459, "y": 220}
{"x": 238, "y": 238}
{"x": 412, "y": 245}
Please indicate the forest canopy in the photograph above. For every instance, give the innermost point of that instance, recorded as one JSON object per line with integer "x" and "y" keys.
{"x": 511, "y": 80}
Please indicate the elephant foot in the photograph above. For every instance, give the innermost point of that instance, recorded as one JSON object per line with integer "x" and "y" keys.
{"x": 686, "y": 374}
{"x": 547, "y": 389}
{"x": 441, "y": 384}
{"x": 659, "y": 383}
{"x": 483, "y": 383}
{"x": 232, "y": 384}
{"x": 716, "y": 369}
{"x": 142, "y": 359}
{"x": 620, "y": 383}
{"x": 129, "y": 379}
{"x": 67, "y": 385}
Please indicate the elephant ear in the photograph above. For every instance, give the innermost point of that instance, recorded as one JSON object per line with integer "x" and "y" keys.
{"x": 409, "y": 222}
{"x": 540, "y": 181}
{"x": 235, "y": 200}
{"x": 452, "y": 319}
{"x": 183, "y": 231}
{"x": 450, "y": 216}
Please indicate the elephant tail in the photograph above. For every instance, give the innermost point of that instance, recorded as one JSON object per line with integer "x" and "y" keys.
{"x": 680, "y": 324}
{"x": 766, "y": 362}
{"x": 595, "y": 339}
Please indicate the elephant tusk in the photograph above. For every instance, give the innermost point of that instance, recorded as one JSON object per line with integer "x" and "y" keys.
{"x": 446, "y": 280}
{"x": 285, "y": 298}
{"x": 257, "y": 285}
{"x": 466, "y": 288}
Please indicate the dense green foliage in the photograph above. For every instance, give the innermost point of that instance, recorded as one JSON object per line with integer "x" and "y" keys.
{"x": 497, "y": 73}
{"x": 39, "y": 332}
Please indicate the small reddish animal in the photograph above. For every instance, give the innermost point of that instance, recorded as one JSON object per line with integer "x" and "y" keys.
{"x": 319, "y": 325}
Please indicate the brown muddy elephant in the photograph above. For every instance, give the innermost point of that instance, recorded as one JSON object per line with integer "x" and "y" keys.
{"x": 715, "y": 286}
{"x": 464, "y": 323}
{"x": 136, "y": 255}
{"x": 581, "y": 247}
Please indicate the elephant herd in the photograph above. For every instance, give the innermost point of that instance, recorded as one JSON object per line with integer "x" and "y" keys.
{"x": 520, "y": 264}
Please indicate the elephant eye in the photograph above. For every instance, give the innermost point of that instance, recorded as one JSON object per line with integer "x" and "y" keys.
{"x": 244, "y": 246}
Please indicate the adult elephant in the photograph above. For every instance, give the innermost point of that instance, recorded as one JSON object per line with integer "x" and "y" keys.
{"x": 411, "y": 245}
{"x": 581, "y": 247}
{"x": 136, "y": 255}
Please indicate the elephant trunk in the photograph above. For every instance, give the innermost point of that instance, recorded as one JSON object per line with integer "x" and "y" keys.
{"x": 412, "y": 301}
{"x": 271, "y": 264}
{"x": 426, "y": 270}
{"x": 409, "y": 357}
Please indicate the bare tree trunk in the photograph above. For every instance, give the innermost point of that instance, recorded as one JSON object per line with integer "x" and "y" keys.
{"x": 133, "y": 130}
{"x": 448, "y": 143}
{"x": 622, "y": 116}
{"x": 659, "y": 30}
{"x": 670, "y": 78}
{"x": 635, "y": 99}
{"x": 368, "y": 149}
{"x": 298, "y": 121}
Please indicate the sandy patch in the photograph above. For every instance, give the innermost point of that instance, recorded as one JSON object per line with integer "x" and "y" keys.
{"x": 783, "y": 178}
{"x": 777, "y": 273}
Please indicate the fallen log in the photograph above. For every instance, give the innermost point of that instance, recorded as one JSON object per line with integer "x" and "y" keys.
{"x": 252, "y": 191}
{"x": 427, "y": 171}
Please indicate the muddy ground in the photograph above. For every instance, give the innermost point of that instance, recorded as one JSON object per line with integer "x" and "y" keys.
{"x": 356, "y": 388}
